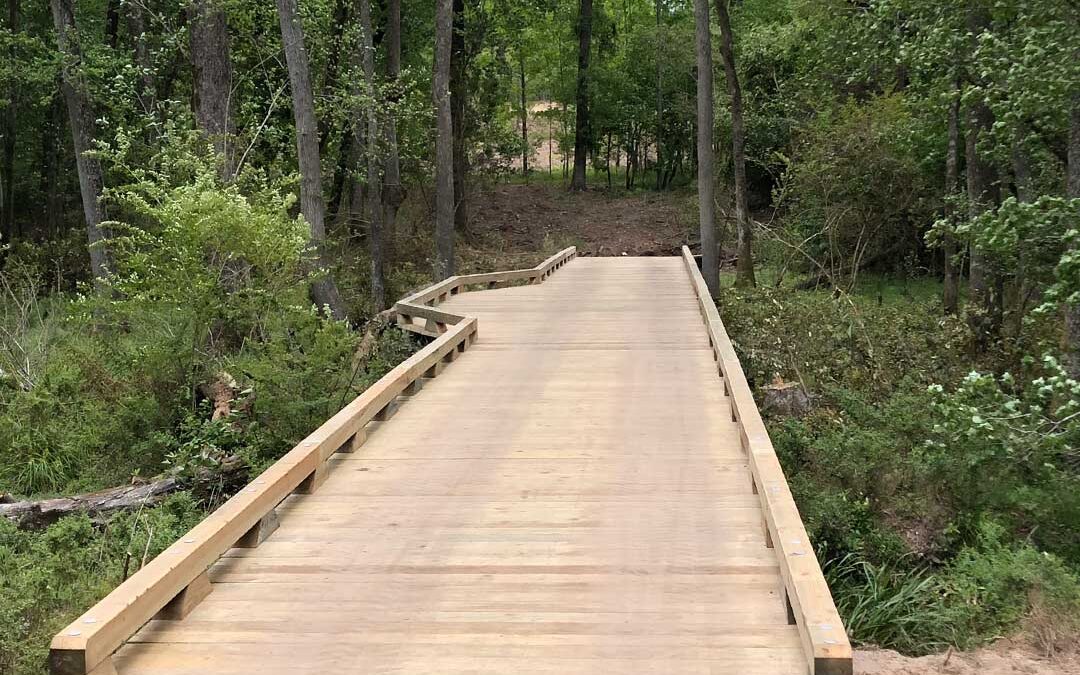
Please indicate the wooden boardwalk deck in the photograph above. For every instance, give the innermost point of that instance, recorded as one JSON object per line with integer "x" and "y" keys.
{"x": 570, "y": 496}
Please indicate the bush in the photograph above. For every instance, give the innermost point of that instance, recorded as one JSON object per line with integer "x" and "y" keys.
{"x": 995, "y": 585}
{"x": 943, "y": 502}
{"x": 855, "y": 191}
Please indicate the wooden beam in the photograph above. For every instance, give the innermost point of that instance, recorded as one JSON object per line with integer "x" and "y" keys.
{"x": 259, "y": 531}
{"x": 186, "y": 600}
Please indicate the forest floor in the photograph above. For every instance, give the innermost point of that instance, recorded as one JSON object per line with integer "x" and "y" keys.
{"x": 510, "y": 220}
{"x": 515, "y": 218}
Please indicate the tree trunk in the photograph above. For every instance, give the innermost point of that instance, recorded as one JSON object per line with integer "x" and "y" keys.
{"x": 394, "y": 194}
{"x": 137, "y": 27}
{"x": 458, "y": 95}
{"x": 339, "y": 202}
{"x": 212, "y": 73}
{"x": 983, "y": 195}
{"x": 710, "y": 262}
{"x": 332, "y": 69}
{"x": 444, "y": 142}
{"x": 1022, "y": 288}
{"x": 581, "y": 129}
{"x": 8, "y": 228}
{"x": 607, "y": 161}
{"x": 659, "y": 101}
{"x": 951, "y": 291}
{"x": 1072, "y": 310}
{"x": 83, "y": 129}
{"x": 323, "y": 291}
{"x": 525, "y": 149}
{"x": 39, "y": 514}
{"x": 374, "y": 172}
{"x": 51, "y": 128}
{"x": 112, "y": 23}
{"x": 744, "y": 269}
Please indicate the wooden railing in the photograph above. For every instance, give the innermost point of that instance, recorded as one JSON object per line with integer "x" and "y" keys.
{"x": 809, "y": 600}
{"x": 171, "y": 584}
{"x": 420, "y": 306}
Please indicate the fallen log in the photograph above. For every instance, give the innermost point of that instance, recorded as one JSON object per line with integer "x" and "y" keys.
{"x": 39, "y": 514}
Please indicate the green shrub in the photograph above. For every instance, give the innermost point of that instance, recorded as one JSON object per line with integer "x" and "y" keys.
{"x": 995, "y": 584}
{"x": 1008, "y": 449}
{"x": 855, "y": 191}
{"x": 51, "y": 577}
{"x": 907, "y": 455}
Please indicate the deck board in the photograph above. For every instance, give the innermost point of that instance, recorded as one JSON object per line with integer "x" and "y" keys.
{"x": 569, "y": 496}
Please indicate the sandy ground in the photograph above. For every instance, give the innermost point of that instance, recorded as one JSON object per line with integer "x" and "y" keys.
{"x": 1003, "y": 658}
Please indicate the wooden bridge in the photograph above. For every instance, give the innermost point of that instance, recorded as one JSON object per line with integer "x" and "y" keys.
{"x": 582, "y": 486}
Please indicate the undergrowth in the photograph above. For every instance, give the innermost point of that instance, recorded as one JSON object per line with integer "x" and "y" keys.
{"x": 940, "y": 487}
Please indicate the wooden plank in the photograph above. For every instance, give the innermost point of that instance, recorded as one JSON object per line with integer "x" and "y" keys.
{"x": 828, "y": 650}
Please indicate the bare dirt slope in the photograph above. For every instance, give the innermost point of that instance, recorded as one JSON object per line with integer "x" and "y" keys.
{"x": 516, "y": 218}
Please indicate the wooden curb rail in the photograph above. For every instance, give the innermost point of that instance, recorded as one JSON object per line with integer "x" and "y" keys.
{"x": 421, "y": 305}
{"x": 822, "y": 633}
{"x": 171, "y": 584}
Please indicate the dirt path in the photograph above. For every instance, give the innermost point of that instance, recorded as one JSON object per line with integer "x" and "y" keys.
{"x": 1003, "y": 658}
{"x": 517, "y": 218}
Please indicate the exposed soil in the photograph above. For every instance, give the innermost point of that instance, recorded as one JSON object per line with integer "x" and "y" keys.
{"x": 1003, "y": 658}
{"x": 517, "y": 218}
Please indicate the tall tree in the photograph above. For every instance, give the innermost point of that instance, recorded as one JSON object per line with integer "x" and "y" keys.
{"x": 136, "y": 13}
{"x": 744, "y": 268}
{"x": 211, "y": 61}
{"x": 323, "y": 290}
{"x": 52, "y": 127}
{"x": 458, "y": 100}
{"x": 374, "y": 171}
{"x": 394, "y": 194}
{"x": 1072, "y": 309}
{"x": 8, "y": 226}
{"x": 444, "y": 142}
{"x": 710, "y": 261}
{"x": 984, "y": 194}
{"x": 581, "y": 130}
{"x": 526, "y": 150}
{"x": 951, "y": 290}
{"x": 659, "y": 101}
{"x": 83, "y": 130}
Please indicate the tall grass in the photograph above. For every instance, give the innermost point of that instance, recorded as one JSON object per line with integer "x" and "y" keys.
{"x": 880, "y": 605}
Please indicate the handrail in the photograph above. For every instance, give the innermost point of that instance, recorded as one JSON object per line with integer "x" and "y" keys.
{"x": 820, "y": 628}
{"x": 173, "y": 582}
{"x": 421, "y": 304}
